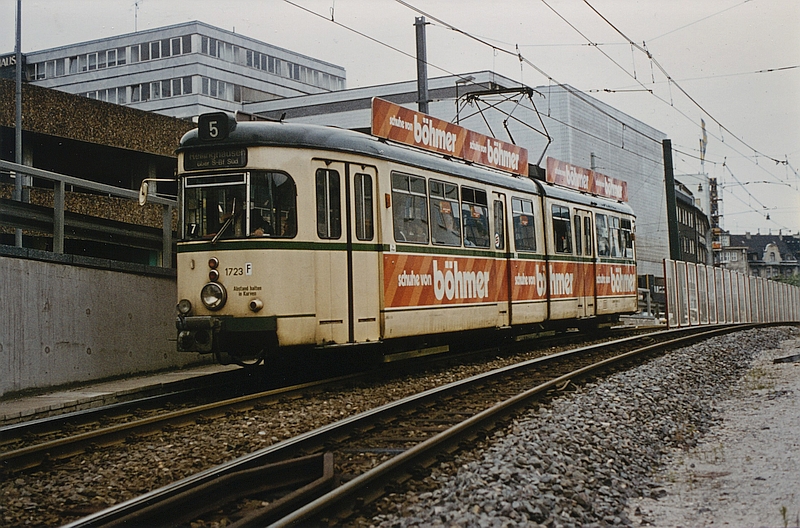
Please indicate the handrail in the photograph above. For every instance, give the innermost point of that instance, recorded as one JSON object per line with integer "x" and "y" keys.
{"x": 59, "y": 190}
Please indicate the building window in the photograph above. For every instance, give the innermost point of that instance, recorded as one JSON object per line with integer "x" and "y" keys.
{"x": 220, "y": 89}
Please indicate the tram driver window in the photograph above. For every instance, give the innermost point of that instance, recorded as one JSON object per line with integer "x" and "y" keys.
{"x": 562, "y": 230}
{"x": 524, "y": 228}
{"x": 212, "y": 209}
{"x": 475, "y": 212}
{"x": 409, "y": 208}
{"x": 273, "y": 205}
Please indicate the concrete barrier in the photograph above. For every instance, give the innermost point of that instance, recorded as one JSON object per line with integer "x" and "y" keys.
{"x": 68, "y": 319}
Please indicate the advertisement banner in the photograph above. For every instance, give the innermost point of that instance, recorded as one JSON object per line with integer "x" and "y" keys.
{"x": 426, "y": 280}
{"x": 587, "y": 180}
{"x": 395, "y": 122}
{"x": 616, "y": 279}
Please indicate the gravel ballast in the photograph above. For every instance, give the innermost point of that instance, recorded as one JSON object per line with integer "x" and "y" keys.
{"x": 583, "y": 458}
{"x": 577, "y": 460}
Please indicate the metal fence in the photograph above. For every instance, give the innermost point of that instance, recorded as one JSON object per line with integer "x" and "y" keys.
{"x": 57, "y": 222}
{"x": 702, "y": 295}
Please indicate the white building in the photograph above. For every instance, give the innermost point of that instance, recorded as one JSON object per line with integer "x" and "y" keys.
{"x": 182, "y": 70}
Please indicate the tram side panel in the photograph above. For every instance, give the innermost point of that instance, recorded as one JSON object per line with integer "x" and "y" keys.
{"x": 528, "y": 276}
{"x": 564, "y": 289}
{"x": 615, "y": 267}
{"x": 432, "y": 282}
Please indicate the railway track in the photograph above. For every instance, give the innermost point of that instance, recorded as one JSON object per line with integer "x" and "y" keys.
{"x": 51, "y": 439}
{"x": 377, "y": 450}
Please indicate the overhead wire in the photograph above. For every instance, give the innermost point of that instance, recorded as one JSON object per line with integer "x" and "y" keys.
{"x": 573, "y": 91}
{"x": 678, "y": 86}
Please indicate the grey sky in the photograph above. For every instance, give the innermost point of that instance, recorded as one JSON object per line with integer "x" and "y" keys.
{"x": 718, "y": 51}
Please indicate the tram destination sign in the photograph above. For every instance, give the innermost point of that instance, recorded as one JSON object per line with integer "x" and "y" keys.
{"x": 215, "y": 159}
{"x": 395, "y": 122}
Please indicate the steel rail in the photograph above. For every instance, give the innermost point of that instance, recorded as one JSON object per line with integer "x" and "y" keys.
{"x": 32, "y": 456}
{"x": 58, "y": 449}
{"x": 322, "y": 438}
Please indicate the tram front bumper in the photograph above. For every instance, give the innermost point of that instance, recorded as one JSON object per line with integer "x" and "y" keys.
{"x": 196, "y": 333}
{"x": 206, "y": 333}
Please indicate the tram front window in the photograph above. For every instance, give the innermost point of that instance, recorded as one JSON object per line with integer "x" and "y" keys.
{"x": 212, "y": 211}
{"x": 218, "y": 206}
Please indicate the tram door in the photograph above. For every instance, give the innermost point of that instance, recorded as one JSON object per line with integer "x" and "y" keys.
{"x": 345, "y": 269}
{"x": 585, "y": 272}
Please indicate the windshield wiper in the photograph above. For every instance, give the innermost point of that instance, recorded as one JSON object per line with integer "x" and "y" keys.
{"x": 228, "y": 222}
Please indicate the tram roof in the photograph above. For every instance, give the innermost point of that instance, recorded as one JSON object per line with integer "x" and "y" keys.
{"x": 333, "y": 139}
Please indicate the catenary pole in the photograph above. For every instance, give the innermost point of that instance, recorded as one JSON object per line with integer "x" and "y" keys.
{"x": 18, "y": 117}
{"x": 422, "y": 65}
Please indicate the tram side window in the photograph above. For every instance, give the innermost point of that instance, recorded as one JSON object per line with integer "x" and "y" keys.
{"x": 365, "y": 226}
{"x": 587, "y": 234}
{"x": 578, "y": 237}
{"x": 273, "y": 205}
{"x": 409, "y": 208}
{"x": 524, "y": 228}
{"x": 329, "y": 207}
{"x": 445, "y": 214}
{"x": 614, "y": 236}
{"x": 626, "y": 238}
{"x": 499, "y": 225}
{"x": 601, "y": 225}
{"x": 475, "y": 212}
{"x": 562, "y": 230}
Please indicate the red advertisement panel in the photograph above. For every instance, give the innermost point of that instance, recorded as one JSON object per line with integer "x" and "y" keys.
{"x": 616, "y": 279}
{"x": 407, "y": 126}
{"x": 528, "y": 280}
{"x": 426, "y": 280}
{"x": 562, "y": 280}
{"x": 567, "y": 175}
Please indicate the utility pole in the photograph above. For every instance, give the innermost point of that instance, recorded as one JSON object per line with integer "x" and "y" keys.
{"x": 672, "y": 206}
{"x": 422, "y": 66}
{"x": 18, "y": 190}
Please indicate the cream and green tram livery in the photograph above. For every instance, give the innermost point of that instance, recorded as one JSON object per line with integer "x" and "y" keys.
{"x": 300, "y": 237}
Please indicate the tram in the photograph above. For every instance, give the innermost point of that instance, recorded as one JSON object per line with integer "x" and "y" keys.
{"x": 299, "y": 237}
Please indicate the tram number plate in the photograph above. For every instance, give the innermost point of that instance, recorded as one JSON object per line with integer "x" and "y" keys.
{"x": 215, "y": 159}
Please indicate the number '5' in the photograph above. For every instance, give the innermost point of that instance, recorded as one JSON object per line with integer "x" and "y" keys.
{"x": 213, "y": 131}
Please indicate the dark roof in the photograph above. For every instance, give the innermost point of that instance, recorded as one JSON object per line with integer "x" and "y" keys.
{"x": 757, "y": 244}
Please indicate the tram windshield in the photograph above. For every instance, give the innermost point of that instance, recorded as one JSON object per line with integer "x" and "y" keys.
{"x": 226, "y": 206}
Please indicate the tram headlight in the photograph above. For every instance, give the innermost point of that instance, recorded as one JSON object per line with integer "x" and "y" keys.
{"x": 213, "y": 296}
{"x": 184, "y": 306}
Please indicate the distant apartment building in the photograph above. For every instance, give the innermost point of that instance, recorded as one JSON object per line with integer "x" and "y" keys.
{"x": 769, "y": 256}
{"x": 181, "y": 71}
{"x": 693, "y": 227}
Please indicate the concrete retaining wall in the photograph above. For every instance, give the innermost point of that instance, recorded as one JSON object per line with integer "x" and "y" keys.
{"x": 68, "y": 319}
